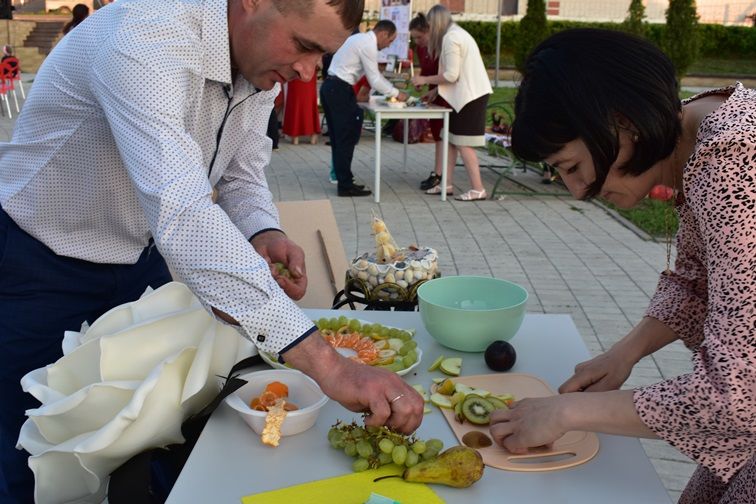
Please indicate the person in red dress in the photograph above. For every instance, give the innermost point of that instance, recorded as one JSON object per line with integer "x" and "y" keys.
{"x": 301, "y": 115}
{"x": 419, "y": 32}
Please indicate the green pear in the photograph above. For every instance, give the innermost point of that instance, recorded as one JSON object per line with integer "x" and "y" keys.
{"x": 458, "y": 466}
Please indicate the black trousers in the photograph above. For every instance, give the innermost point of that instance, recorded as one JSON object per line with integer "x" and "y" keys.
{"x": 41, "y": 296}
{"x": 344, "y": 119}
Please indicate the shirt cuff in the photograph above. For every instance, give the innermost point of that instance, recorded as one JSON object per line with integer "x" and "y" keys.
{"x": 256, "y": 224}
{"x": 276, "y": 325}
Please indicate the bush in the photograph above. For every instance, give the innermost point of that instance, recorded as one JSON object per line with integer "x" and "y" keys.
{"x": 532, "y": 30}
{"x": 680, "y": 38}
{"x": 634, "y": 21}
{"x": 716, "y": 41}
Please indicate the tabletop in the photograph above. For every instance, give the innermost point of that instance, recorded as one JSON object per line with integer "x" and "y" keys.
{"x": 229, "y": 461}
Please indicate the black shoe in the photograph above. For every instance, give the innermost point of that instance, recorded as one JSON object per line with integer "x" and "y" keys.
{"x": 432, "y": 181}
{"x": 354, "y": 191}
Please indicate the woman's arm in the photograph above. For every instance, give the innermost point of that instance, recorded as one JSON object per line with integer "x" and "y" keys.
{"x": 535, "y": 422}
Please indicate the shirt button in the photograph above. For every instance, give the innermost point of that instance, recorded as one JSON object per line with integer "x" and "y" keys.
{"x": 260, "y": 338}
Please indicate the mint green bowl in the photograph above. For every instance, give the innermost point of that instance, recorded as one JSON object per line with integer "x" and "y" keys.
{"x": 468, "y": 313}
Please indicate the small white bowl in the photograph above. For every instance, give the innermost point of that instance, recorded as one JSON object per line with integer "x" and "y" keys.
{"x": 303, "y": 391}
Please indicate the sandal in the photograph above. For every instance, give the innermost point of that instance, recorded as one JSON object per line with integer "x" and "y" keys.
{"x": 437, "y": 190}
{"x": 472, "y": 195}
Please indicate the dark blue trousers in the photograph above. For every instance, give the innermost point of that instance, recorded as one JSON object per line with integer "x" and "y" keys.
{"x": 41, "y": 296}
{"x": 344, "y": 118}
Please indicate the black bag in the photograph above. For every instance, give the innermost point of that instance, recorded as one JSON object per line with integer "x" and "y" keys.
{"x": 147, "y": 478}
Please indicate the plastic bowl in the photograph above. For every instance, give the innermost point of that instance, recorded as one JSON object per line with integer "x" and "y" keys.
{"x": 303, "y": 391}
{"x": 468, "y": 313}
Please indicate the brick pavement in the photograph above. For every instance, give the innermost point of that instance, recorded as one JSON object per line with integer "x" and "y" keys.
{"x": 573, "y": 257}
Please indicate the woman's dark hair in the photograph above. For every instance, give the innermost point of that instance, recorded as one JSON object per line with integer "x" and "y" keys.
{"x": 79, "y": 13}
{"x": 419, "y": 22}
{"x": 579, "y": 84}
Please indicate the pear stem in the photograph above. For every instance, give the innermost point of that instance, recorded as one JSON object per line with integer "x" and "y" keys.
{"x": 389, "y": 476}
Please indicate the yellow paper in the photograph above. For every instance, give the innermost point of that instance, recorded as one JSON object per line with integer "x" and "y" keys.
{"x": 350, "y": 489}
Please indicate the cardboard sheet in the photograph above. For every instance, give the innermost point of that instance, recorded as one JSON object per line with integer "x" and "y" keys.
{"x": 312, "y": 225}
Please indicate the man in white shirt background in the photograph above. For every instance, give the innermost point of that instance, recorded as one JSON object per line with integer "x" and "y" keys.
{"x": 133, "y": 119}
{"x": 357, "y": 57}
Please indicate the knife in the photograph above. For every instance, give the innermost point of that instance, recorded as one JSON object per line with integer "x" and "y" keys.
{"x": 324, "y": 249}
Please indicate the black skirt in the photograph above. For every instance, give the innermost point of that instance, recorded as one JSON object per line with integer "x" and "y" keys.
{"x": 467, "y": 126}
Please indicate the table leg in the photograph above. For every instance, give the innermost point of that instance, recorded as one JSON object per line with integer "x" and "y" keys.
{"x": 377, "y": 183}
{"x": 406, "y": 141}
{"x": 445, "y": 156}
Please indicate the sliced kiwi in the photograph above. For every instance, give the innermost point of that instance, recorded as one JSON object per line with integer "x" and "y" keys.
{"x": 477, "y": 409}
{"x": 458, "y": 412}
{"x": 497, "y": 403}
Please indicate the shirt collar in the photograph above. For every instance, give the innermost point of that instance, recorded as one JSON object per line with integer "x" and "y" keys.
{"x": 216, "y": 52}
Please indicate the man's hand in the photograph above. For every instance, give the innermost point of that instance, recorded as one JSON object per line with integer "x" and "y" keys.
{"x": 402, "y": 96}
{"x": 386, "y": 398}
{"x": 275, "y": 247}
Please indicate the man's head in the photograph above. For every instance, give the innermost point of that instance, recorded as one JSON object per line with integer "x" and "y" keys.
{"x": 282, "y": 40}
{"x": 385, "y": 33}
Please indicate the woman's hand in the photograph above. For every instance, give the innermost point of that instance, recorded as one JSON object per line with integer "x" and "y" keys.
{"x": 430, "y": 96}
{"x": 419, "y": 81}
{"x": 529, "y": 423}
{"x": 607, "y": 371}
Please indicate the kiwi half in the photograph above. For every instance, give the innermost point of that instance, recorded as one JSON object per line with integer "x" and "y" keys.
{"x": 477, "y": 409}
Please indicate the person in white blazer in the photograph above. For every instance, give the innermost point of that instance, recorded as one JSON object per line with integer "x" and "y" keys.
{"x": 463, "y": 82}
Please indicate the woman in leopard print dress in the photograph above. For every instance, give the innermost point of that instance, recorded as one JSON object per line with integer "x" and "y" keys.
{"x": 603, "y": 109}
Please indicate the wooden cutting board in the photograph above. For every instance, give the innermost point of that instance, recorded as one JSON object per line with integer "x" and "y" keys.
{"x": 574, "y": 448}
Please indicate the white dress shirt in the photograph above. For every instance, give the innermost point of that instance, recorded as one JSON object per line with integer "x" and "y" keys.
{"x": 358, "y": 56}
{"x": 116, "y": 142}
{"x": 460, "y": 63}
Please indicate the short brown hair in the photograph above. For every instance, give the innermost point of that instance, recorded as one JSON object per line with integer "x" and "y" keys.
{"x": 350, "y": 11}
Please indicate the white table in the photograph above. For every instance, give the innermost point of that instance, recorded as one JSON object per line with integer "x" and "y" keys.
{"x": 229, "y": 461}
{"x": 383, "y": 111}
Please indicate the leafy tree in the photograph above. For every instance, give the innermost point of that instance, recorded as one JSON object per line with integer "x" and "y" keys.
{"x": 680, "y": 40}
{"x": 634, "y": 23}
{"x": 531, "y": 31}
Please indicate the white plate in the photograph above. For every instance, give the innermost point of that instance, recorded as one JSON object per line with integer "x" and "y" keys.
{"x": 272, "y": 359}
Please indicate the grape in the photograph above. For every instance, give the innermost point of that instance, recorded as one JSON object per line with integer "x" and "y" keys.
{"x": 408, "y": 360}
{"x": 354, "y": 325}
{"x": 360, "y": 465}
{"x": 386, "y": 445}
{"x": 341, "y": 321}
{"x": 419, "y": 447}
{"x": 399, "y": 454}
{"x": 377, "y": 446}
{"x": 412, "y": 459}
{"x": 364, "y": 449}
{"x": 435, "y": 444}
{"x": 322, "y": 323}
{"x": 384, "y": 458}
{"x": 350, "y": 448}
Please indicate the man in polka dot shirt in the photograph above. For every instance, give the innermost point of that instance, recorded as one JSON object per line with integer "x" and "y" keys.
{"x": 133, "y": 120}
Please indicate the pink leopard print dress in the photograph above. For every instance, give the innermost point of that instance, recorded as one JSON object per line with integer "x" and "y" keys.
{"x": 710, "y": 302}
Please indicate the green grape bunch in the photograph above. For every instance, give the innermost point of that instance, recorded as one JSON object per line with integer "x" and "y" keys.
{"x": 373, "y": 447}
